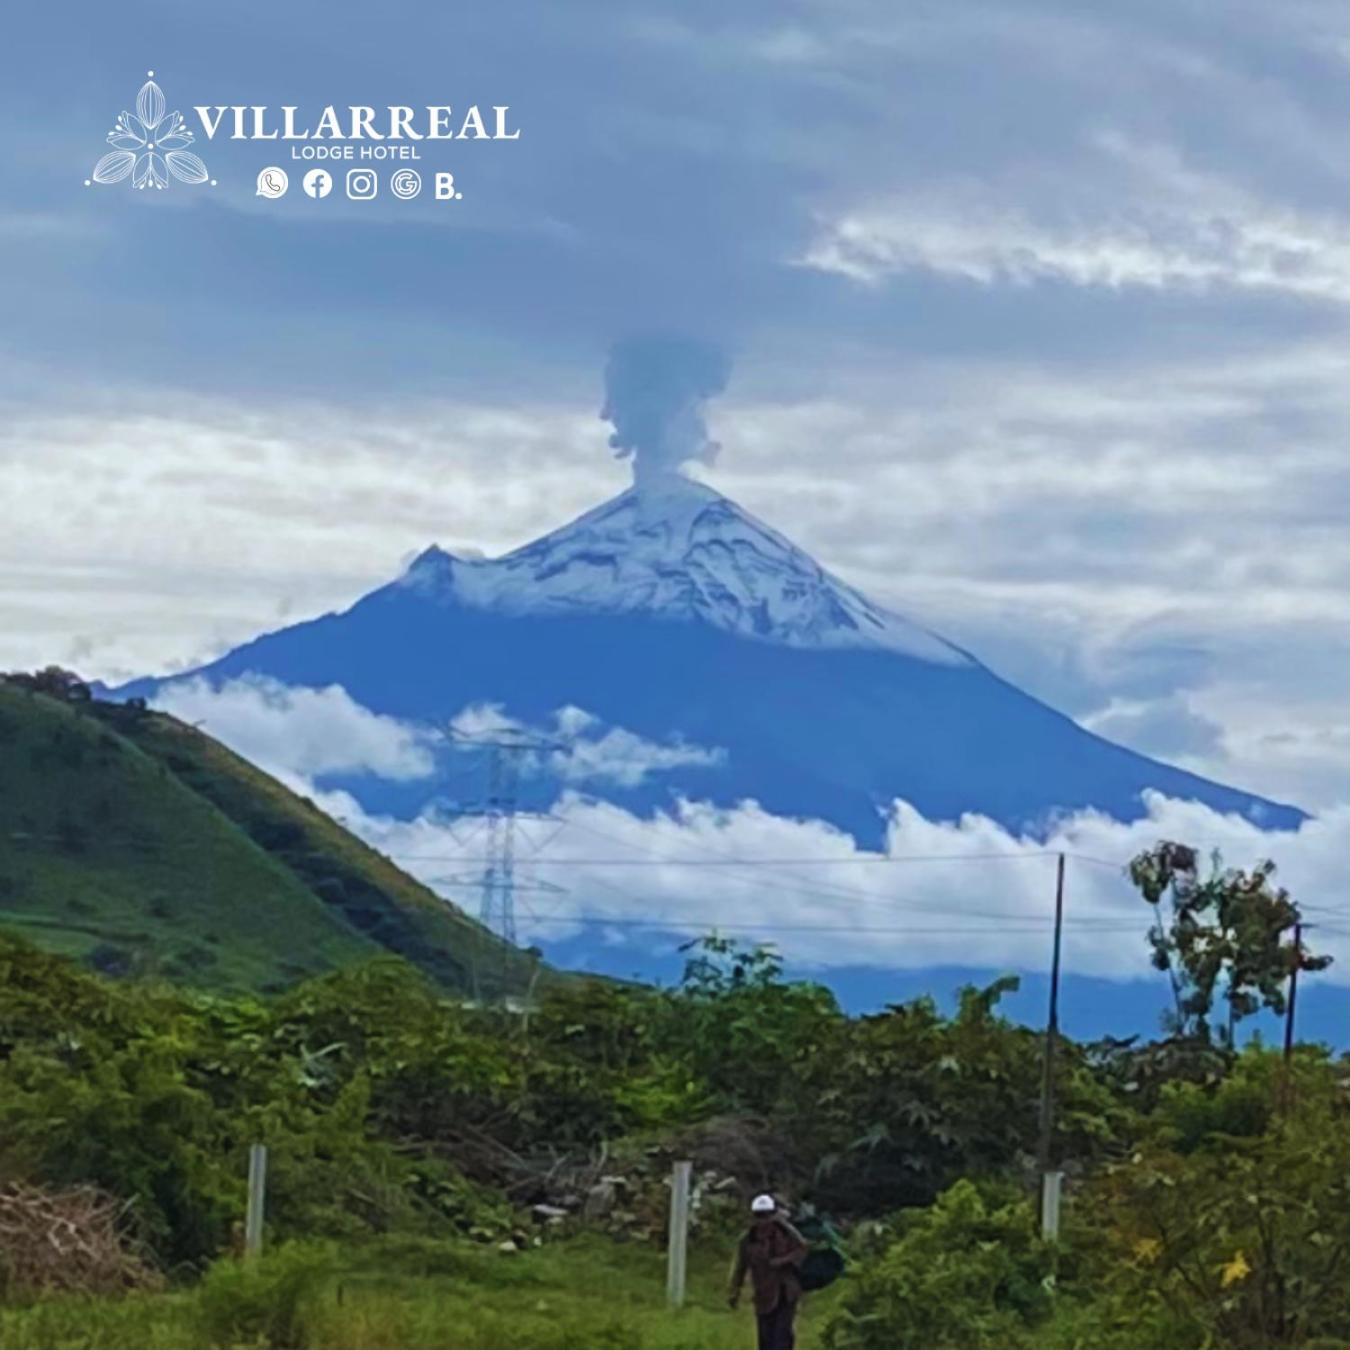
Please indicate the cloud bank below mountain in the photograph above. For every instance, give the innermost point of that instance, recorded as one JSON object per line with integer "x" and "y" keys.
{"x": 967, "y": 892}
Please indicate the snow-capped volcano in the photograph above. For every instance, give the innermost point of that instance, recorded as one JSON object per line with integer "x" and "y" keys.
{"x": 676, "y": 549}
{"x": 672, "y": 616}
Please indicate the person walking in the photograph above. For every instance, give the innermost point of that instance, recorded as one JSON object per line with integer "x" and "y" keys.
{"x": 770, "y": 1253}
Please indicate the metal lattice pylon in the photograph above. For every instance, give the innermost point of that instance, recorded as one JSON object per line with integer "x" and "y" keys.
{"x": 497, "y": 907}
{"x": 507, "y": 751}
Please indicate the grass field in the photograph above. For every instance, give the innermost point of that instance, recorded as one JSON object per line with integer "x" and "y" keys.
{"x": 588, "y": 1293}
{"x": 140, "y": 845}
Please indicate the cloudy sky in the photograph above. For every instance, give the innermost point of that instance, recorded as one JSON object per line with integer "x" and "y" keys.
{"x": 1038, "y": 314}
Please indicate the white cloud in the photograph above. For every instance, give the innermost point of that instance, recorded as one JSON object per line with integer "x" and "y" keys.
{"x": 620, "y": 756}
{"x": 301, "y": 732}
{"x": 165, "y": 537}
{"x": 1169, "y": 727}
{"x": 483, "y": 720}
{"x": 966, "y": 893}
{"x": 1133, "y": 216}
{"x": 579, "y": 748}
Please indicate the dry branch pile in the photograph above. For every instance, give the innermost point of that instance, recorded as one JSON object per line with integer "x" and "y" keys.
{"x": 70, "y": 1241}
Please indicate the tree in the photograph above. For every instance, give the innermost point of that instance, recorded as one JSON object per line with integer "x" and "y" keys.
{"x": 52, "y": 681}
{"x": 742, "y": 1029}
{"x": 1230, "y": 936}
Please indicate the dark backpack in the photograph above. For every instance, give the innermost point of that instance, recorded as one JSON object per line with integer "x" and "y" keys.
{"x": 825, "y": 1261}
{"x": 823, "y": 1266}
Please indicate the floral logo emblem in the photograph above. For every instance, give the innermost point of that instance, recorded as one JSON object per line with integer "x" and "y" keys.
{"x": 151, "y": 144}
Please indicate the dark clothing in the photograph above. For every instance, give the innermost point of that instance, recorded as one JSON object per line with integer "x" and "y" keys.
{"x": 770, "y": 1254}
{"x": 775, "y": 1328}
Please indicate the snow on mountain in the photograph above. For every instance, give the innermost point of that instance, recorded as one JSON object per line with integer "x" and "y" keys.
{"x": 679, "y": 550}
{"x": 675, "y": 616}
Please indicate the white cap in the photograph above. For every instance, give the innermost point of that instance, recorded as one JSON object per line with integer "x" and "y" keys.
{"x": 763, "y": 1204}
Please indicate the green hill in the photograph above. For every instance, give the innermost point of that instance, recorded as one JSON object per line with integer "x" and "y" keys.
{"x": 140, "y": 845}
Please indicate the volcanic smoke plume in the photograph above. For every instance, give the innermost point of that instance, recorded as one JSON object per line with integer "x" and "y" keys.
{"x": 656, "y": 391}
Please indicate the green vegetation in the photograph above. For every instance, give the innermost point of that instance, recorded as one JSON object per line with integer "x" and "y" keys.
{"x": 141, "y": 846}
{"x": 970, "y": 1269}
{"x": 587, "y": 1293}
{"x": 411, "y": 1135}
{"x": 450, "y": 1173}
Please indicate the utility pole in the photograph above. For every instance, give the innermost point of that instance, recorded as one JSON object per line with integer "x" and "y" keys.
{"x": 1047, "y": 1122}
{"x": 1293, "y": 995}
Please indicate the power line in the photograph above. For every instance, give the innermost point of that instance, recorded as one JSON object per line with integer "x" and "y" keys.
{"x": 990, "y": 855}
{"x": 783, "y": 887}
{"x": 751, "y": 862}
{"x": 1100, "y": 862}
{"x": 672, "y": 923}
{"x": 926, "y": 904}
{"x": 780, "y": 886}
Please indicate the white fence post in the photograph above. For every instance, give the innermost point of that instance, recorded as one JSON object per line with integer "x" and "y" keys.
{"x": 679, "y": 1233}
{"x": 257, "y": 1194}
{"x": 1050, "y": 1191}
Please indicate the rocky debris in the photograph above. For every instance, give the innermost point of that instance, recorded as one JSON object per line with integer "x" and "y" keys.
{"x": 603, "y": 1198}
{"x": 624, "y": 1190}
{"x": 552, "y": 1215}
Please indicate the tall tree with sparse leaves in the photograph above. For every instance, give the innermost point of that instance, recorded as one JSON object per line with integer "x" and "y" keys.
{"x": 1230, "y": 936}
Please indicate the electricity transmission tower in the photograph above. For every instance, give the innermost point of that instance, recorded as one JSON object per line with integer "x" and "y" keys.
{"x": 497, "y": 905}
{"x": 507, "y": 752}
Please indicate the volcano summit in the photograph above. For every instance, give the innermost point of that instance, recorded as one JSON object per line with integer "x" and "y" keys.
{"x": 672, "y": 614}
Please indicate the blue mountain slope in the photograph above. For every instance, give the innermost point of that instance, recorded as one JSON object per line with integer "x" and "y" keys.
{"x": 681, "y": 615}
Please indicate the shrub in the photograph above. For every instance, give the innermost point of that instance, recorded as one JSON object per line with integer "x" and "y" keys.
{"x": 263, "y": 1300}
{"x": 1241, "y": 1233}
{"x": 970, "y": 1271}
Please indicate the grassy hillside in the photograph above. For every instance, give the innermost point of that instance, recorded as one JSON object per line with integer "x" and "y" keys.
{"x": 138, "y": 844}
